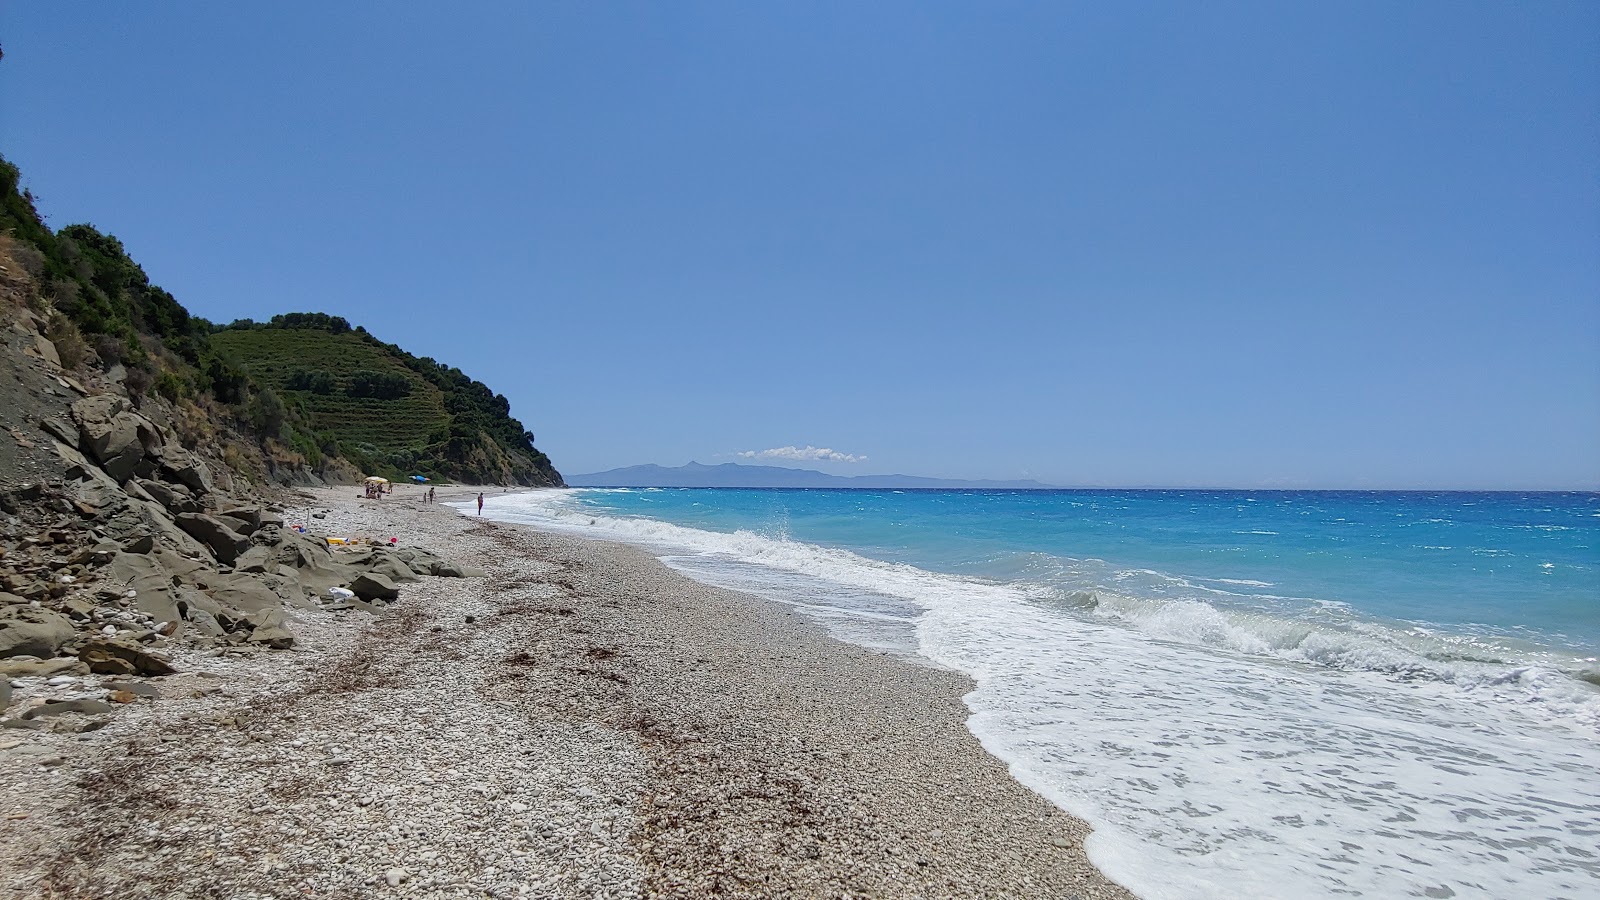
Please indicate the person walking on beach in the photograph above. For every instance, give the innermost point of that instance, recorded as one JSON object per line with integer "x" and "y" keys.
{"x": 480, "y": 504}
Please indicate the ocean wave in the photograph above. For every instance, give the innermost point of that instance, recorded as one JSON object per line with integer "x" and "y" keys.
{"x": 1218, "y": 748}
{"x": 1322, "y": 633}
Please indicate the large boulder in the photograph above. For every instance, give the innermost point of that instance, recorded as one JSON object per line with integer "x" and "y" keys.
{"x": 369, "y": 586}
{"x": 423, "y": 562}
{"x": 27, "y": 631}
{"x": 175, "y": 497}
{"x": 181, "y": 466}
{"x": 239, "y": 593}
{"x": 225, "y": 543}
{"x": 109, "y": 433}
{"x": 153, "y": 518}
{"x": 259, "y": 558}
{"x": 270, "y": 628}
{"x": 153, "y": 585}
{"x": 390, "y": 566}
{"x": 314, "y": 565}
{"x": 99, "y": 495}
{"x": 244, "y": 519}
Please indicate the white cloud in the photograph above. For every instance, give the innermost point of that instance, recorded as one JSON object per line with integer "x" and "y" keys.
{"x": 807, "y": 453}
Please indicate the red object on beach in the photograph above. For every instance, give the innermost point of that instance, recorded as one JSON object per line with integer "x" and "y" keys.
{"x": 393, "y": 541}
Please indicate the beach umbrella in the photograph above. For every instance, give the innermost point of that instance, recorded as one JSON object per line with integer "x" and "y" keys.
{"x": 419, "y": 478}
{"x": 373, "y": 479}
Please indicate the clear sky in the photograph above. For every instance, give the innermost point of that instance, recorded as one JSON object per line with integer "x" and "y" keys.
{"x": 1320, "y": 245}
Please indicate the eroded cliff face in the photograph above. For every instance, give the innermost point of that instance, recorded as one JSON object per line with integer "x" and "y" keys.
{"x": 124, "y": 530}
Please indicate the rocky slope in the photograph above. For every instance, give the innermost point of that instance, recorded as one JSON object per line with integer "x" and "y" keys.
{"x": 118, "y": 542}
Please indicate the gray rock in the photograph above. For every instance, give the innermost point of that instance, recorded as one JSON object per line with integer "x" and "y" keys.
{"x": 116, "y": 658}
{"x": 271, "y": 629}
{"x": 109, "y": 433}
{"x": 59, "y": 707}
{"x": 182, "y": 467}
{"x": 241, "y": 593}
{"x": 371, "y": 586}
{"x": 175, "y": 497}
{"x": 141, "y": 543}
{"x": 60, "y": 429}
{"x": 225, "y": 543}
{"x": 248, "y": 517}
{"x": 391, "y": 567}
{"x": 26, "y": 631}
{"x": 100, "y": 494}
{"x": 203, "y": 622}
{"x": 256, "y": 559}
{"x": 151, "y": 582}
{"x": 137, "y": 688}
{"x": 144, "y": 517}
{"x": 315, "y": 566}
{"x": 25, "y": 666}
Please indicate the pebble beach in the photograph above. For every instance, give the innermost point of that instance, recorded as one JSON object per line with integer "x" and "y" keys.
{"x": 580, "y": 721}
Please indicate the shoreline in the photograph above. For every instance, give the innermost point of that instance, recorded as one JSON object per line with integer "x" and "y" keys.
{"x": 603, "y": 726}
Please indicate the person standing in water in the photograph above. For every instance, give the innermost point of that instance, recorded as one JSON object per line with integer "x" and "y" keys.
{"x": 480, "y": 504}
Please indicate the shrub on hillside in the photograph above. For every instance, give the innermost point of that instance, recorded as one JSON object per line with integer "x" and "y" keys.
{"x": 316, "y": 381}
{"x": 380, "y": 385}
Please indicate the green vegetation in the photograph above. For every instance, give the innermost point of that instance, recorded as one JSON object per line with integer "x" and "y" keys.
{"x": 389, "y": 412}
{"x": 305, "y": 392}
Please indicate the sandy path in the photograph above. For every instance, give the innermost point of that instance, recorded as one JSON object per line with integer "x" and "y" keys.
{"x": 601, "y": 727}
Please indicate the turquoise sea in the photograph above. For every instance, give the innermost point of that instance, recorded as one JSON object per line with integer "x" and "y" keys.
{"x": 1265, "y": 694}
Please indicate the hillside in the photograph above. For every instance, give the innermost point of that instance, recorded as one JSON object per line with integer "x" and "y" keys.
{"x": 227, "y": 393}
{"x": 385, "y": 410}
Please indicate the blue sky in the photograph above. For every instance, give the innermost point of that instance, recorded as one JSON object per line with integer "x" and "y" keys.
{"x": 1332, "y": 245}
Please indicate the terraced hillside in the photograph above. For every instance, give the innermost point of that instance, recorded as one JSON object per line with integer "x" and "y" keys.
{"x": 276, "y": 355}
{"x": 387, "y": 411}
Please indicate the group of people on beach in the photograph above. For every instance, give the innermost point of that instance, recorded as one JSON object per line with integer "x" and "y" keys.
{"x": 428, "y": 497}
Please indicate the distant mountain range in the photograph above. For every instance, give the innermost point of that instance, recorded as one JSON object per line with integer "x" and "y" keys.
{"x": 733, "y": 475}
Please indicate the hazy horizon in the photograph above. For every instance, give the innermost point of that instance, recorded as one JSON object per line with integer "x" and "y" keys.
{"x": 1086, "y": 486}
{"x": 1244, "y": 245}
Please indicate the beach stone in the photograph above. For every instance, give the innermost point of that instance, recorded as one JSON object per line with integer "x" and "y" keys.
{"x": 116, "y": 658}
{"x": 27, "y": 631}
{"x": 60, "y": 707}
{"x": 314, "y": 564}
{"x": 225, "y": 543}
{"x": 137, "y": 688}
{"x": 26, "y": 666}
{"x": 371, "y": 586}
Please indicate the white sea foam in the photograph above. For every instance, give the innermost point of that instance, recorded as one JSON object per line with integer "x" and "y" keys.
{"x": 1220, "y": 752}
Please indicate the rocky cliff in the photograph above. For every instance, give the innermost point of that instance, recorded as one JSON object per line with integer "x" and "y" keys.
{"x": 134, "y": 520}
